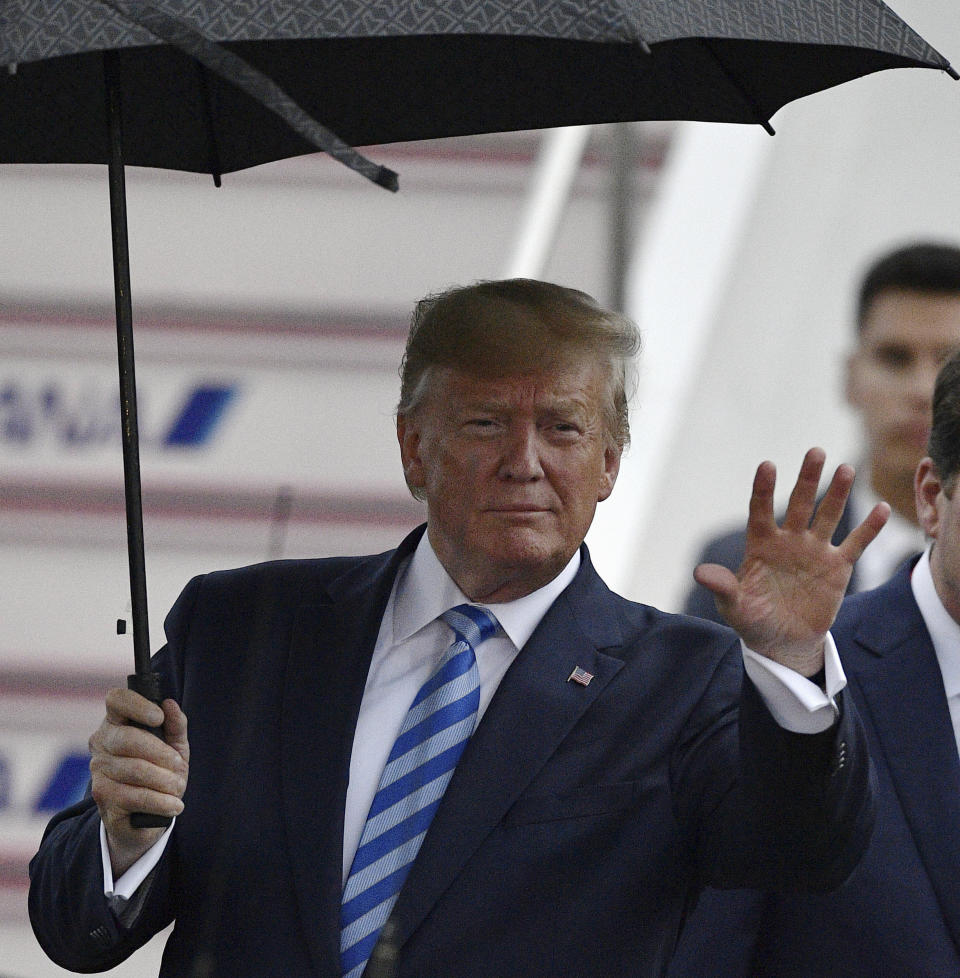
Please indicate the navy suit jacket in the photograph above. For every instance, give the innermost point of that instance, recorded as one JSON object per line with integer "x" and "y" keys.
{"x": 576, "y": 831}
{"x": 898, "y": 916}
{"x": 727, "y": 550}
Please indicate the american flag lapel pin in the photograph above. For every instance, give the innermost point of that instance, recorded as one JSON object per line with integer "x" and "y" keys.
{"x": 580, "y": 676}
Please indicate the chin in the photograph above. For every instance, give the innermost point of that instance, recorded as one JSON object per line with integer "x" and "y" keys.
{"x": 529, "y": 553}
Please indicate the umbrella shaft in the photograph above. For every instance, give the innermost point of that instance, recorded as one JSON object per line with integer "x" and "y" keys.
{"x": 128, "y": 382}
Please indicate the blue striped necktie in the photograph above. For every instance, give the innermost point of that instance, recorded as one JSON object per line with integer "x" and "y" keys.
{"x": 437, "y": 727}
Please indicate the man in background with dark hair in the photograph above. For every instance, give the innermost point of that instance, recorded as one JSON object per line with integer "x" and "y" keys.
{"x": 898, "y": 916}
{"x": 908, "y": 323}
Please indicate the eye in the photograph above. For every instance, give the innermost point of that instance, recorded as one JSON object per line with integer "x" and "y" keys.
{"x": 564, "y": 430}
{"x": 894, "y": 357}
{"x": 480, "y": 426}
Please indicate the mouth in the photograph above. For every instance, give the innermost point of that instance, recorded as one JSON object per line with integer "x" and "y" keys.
{"x": 519, "y": 509}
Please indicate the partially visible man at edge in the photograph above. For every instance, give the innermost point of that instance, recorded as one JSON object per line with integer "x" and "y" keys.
{"x": 898, "y": 916}
{"x": 620, "y": 759}
{"x": 908, "y": 323}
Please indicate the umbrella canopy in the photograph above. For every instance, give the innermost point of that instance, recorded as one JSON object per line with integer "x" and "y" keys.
{"x": 377, "y": 72}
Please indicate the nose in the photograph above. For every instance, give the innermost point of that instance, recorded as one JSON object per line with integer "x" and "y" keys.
{"x": 520, "y": 458}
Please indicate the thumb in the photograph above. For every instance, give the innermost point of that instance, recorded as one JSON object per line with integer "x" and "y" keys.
{"x": 718, "y": 579}
{"x": 723, "y": 583}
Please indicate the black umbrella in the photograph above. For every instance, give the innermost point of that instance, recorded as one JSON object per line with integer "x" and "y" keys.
{"x": 215, "y": 86}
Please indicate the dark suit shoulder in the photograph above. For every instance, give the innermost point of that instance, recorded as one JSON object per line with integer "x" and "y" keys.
{"x": 289, "y": 581}
{"x": 682, "y": 631}
{"x": 314, "y": 570}
{"x": 694, "y": 665}
{"x": 302, "y": 578}
{"x": 224, "y": 616}
{"x": 611, "y": 619}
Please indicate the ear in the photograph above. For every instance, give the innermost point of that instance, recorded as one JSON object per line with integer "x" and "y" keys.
{"x": 927, "y": 487}
{"x": 611, "y": 469}
{"x": 408, "y": 435}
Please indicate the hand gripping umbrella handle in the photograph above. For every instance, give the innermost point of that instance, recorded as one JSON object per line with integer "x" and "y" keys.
{"x": 148, "y": 684}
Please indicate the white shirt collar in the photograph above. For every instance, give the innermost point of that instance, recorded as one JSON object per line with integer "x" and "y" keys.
{"x": 425, "y": 590}
{"x": 944, "y": 630}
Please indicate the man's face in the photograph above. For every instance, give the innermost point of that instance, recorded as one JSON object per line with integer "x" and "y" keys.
{"x": 905, "y": 340}
{"x": 938, "y": 508}
{"x": 512, "y": 469}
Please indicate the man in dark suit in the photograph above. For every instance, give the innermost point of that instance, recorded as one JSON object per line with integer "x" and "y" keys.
{"x": 908, "y": 323}
{"x": 620, "y": 759}
{"x": 898, "y": 916}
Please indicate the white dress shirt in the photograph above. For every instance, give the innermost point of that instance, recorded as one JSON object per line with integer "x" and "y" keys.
{"x": 411, "y": 642}
{"x": 944, "y": 633}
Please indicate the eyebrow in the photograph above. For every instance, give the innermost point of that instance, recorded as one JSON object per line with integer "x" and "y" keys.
{"x": 565, "y": 405}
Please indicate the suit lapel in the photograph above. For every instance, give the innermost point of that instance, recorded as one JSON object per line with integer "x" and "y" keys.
{"x": 900, "y": 682}
{"x": 331, "y": 646}
{"x": 532, "y": 711}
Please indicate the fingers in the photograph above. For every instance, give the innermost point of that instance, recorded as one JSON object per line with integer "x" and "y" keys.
{"x": 804, "y": 495}
{"x": 761, "y": 499}
{"x": 124, "y": 785}
{"x": 175, "y": 729}
{"x": 832, "y": 504}
{"x": 132, "y": 769}
{"x": 860, "y": 538}
{"x": 803, "y": 512}
{"x": 126, "y": 706}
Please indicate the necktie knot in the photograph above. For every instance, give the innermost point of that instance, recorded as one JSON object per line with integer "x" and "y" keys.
{"x": 471, "y": 623}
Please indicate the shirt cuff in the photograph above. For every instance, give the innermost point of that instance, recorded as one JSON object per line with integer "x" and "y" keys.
{"x": 128, "y": 884}
{"x": 794, "y": 702}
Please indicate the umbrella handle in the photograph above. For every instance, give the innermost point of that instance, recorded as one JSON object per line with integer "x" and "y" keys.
{"x": 147, "y": 684}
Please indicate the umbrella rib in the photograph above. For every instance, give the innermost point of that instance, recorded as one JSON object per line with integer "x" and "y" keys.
{"x": 737, "y": 87}
{"x": 255, "y": 83}
{"x": 631, "y": 15}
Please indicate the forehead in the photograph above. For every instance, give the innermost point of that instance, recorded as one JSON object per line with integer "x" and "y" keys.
{"x": 580, "y": 384}
{"x": 917, "y": 320}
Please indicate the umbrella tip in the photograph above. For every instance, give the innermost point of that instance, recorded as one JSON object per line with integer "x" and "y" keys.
{"x": 217, "y": 182}
{"x": 951, "y": 71}
{"x": 387, "y": 179}
{"x": 768, "y": 128}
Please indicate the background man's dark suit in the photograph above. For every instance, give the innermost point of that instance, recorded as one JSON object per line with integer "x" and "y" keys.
{"x": 572, "y": 837}
{"x": 727, "y": 549}
{"x": 899, "y": 914}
